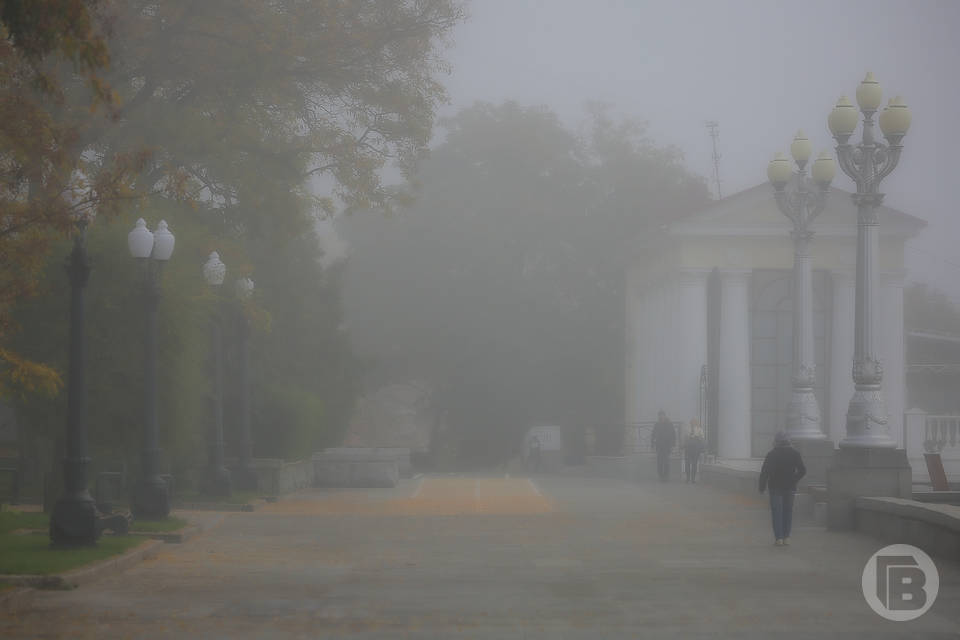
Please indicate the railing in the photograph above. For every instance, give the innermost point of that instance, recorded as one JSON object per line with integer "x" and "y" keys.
{"x": 941, "y": 432}
{"x": 929, "y": 433}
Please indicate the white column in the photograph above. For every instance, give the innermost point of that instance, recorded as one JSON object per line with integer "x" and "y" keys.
{"x": 671, "y": 342}
{"x": 692, "y": 339}
{"x": 734, "y": 377}
{"x": 841, "y": 353}
{"x": 631, "y": 347}
{"x": 641, "y": 356}
{"x": 890, "y": 350}
{"x": 657, "y": 350}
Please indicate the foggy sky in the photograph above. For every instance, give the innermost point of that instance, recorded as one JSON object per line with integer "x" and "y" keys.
{"x": 761, "y": 68}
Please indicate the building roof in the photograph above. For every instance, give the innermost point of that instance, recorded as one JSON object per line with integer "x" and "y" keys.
{"x": 754, "y": 212}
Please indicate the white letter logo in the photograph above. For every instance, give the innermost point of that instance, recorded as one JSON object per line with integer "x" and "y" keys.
{"x": 900, "y": 582}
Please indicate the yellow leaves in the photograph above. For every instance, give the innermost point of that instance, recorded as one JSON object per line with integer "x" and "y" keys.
{"x": 19, "y": 375}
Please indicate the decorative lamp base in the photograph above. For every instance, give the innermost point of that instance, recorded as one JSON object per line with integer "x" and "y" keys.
{"x": 151, "y": 500}
{"x": 74, "y": 522}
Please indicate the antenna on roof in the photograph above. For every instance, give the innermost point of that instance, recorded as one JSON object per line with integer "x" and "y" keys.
{"x": 713, "y": 126}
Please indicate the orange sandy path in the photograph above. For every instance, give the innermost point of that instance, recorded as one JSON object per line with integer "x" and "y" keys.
{"x": 435, "y": 496}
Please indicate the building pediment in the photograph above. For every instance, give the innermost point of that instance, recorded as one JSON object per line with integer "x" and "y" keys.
{"x": 754, "y": 212}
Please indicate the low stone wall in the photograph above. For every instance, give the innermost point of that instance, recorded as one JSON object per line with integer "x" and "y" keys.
{"x": 935, "y": 528}
{"x": 732, "y": 478}
{"x": 356, "y": 467}
{"x": 403, "y": 459}
{"x": 938, "y": 497}
{"x": 276, "y": 477}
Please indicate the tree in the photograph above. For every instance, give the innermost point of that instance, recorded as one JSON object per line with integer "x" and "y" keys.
{"x": 503, "y": 282}
{"x": 46, "y": 183}
{"x": 247, "y": 110}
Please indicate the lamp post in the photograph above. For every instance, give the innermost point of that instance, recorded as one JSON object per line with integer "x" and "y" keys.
{"x": 218, "y": 477}
{"x": 151, "y": 498}
{"x": 801, "y": 205}
{"x": 246, "y": 476}
{"x": 867, "y": 163}
{"x": 74, "y": 521}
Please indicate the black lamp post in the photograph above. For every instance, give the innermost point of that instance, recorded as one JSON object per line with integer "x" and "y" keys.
{"x": 151, "y": 498}
{"x": 217, "y": 482}
{"x": 74, "y": 521}
{"x": 246, "y": 476}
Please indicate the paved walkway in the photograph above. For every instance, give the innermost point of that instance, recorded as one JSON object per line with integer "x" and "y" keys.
{"x": 493, "y": 557}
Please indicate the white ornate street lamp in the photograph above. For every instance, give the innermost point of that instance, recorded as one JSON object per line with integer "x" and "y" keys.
{"x": 801, "y": 204}
{"x": 867, "y": 164}
{"x": 218, "y": 476}
{"x": 151, "y": 498}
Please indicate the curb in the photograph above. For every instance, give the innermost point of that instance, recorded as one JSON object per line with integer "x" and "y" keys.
{"x": 85, "y": 575}
{"x": 182, "y": 535}
{"x": 16, "y": 598}
{"x": 216, "y": 506}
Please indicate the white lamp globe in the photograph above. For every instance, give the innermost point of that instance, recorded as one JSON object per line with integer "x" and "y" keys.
{"x": 843, "y": 119}
{"x": 140, "y": 240}
{"x": 824, "y": 169}
{"x": 801, "y": 149}
{"x": 244, "y": 287}
{"x": 214, "y": 271}
{"x": 869, "y": 93}
{"x": 163, "y": 242}
{"x": 779, "y": 171}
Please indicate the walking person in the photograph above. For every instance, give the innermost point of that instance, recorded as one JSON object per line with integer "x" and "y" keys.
{"x": 663, "y": 439}
{"x": 693, "y": 448}
{"x": 782, "y": 469}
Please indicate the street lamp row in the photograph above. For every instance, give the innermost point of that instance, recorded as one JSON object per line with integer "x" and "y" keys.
{"x": 866, "y": 163}
{"x": 151, "y": 497}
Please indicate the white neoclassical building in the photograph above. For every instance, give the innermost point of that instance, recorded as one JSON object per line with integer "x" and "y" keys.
{"x": 710, "y": 294}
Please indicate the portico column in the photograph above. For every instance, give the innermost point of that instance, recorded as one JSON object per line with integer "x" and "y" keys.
{"x": 734, "y": 377}
{"x": 691, "y": 339}
{"x": 841, "y": 352}
{"x": 645, "y": 353}
{"x": 631, "y": 345}
{"x": 657, "y": 349}
{"x": 672, "y": 342}
{"x": 891, "y": 350}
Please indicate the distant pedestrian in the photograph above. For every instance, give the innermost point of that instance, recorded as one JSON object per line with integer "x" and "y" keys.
{"x": 663, "y": 440}
{"x": 782, "y": 469}
{"x": 693, "y": 448}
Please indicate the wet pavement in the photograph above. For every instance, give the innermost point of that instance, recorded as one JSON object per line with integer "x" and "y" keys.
{"x": 456, "y": 556}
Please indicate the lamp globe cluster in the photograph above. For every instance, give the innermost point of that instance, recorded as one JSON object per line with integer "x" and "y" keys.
{"x": 146, "y": 244}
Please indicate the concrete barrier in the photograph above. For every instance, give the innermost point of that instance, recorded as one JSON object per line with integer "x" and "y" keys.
{"x": 359, "y": 467}
{"x": 733, "y": 478}
{"x": 403, "y": 459}
{"x": 935, "y": 528}
{"x": 276, "y": 477}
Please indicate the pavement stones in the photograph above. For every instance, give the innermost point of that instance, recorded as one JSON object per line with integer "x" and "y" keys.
{"x": 492, "y": 557}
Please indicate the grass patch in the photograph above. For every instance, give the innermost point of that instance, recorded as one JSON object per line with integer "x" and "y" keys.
{"x": 13, "y": 520}
{"x": 158, "y": 526}
{"x": 237, "y": 497}
{"x": 32, "y": 555}
{"x": 6, "y": 586}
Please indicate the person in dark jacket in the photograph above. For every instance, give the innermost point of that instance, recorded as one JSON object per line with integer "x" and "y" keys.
{"x": 693, "y": 448}
{"x": 782, "y": 469}
{"x": 663, "y": 438}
